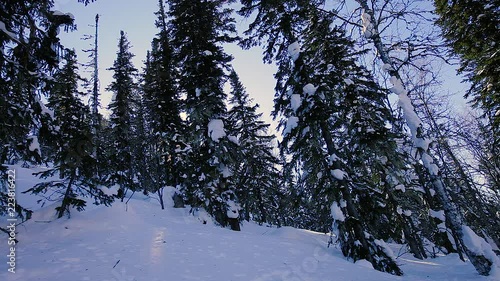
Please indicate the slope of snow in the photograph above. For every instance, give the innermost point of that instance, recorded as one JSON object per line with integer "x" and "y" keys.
{"x": 139, "y": 241}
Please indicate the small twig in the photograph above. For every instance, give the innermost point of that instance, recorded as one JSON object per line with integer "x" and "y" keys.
{"x": 400, "y": 252}
{"x": 126, "y": 203}
{"x": 116, "y": 263}
{"x": 8, "y": 233}
{"x": 130, "y": 197}
{"x": 339, "y": 17}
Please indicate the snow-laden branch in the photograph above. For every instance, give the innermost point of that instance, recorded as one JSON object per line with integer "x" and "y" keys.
{"x": 476, "y": 248}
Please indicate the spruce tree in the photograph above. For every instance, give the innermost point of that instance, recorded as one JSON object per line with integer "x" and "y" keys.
{"x": 121, "y": 107}
{"x": 471, "y": 30}
{"x": 163, "y": 114}
{"x": 199, "y": 28}
{"x": 483, "y": 258}
{"x": 138, "y": 141}
{"x": 255, "y": 168}
{"x": 73, "y": 161}
{"x": 30, "y": 50}
{"x": 333, "y": 123}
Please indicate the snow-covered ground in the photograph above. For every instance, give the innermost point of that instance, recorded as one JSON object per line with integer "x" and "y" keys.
{"x": 139, "y": 241}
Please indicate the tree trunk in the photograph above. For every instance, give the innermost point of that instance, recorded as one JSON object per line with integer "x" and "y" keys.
{"x": 66, "y": 200}
{"x": 354, "y": 221}
{"x": 178, "y": 201}
{"x": 234, "y": 223}
{"x": 413, "y": 240}
{"x": 160, "y": 197}
{"x": 453, "y": 218}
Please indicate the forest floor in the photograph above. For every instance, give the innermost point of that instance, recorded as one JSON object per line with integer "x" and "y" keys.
{"x": 139, "y": 241}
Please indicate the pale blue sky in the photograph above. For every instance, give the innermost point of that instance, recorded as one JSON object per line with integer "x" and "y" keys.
{"x": 136, "y": 18}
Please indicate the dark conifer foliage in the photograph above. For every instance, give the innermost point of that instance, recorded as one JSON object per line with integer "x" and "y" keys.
{"x": 27, "y": 58}
{"x": 347, "y": 164}
{"x": 165, "y": 149}
{"x": 334, "y": 123}
{"x": 121, "y": 107}
{"x": 471, "y": 29}
{"x": 256, "y": 167}
{"x": 71, "y": 136}
{"x": 199, "y": 28}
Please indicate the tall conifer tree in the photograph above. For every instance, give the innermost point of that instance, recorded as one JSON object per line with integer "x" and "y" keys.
{"x": 123, "y": 87}
{"x": 73, "y": 161}
{"x": 161, "y": 99}
{"x": 199, "y": 28}
{"x": 29, "y": 51}
{"x": 471, "y": 29}
{"x": 334, "y": 123}
{"x": 255, "y": 168}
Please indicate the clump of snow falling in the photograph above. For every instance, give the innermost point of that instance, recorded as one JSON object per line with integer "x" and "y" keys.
{"x": 339, "y": 174}
{"x": 337, "y": 212}
{"x": 232, "y": 210}
{"x": 216, "y": 129}
{"x": 294, "y": 50}
{"x": 291, "y": 123}
{"x": 295, "y": 102}
{"x": 367, "y": 24}
{"x": 309, "y": 89}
